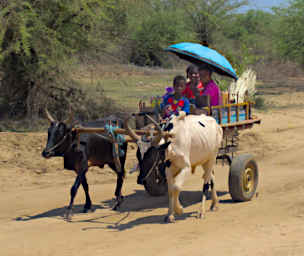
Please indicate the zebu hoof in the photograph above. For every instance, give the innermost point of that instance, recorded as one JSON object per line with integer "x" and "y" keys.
{"x": 200, "y": 215}
{"x": 214, "y": 208}
{"x": 169, "y": 219}
{"x": 117, "y": 203}
{"x": 68, "y": 215}
{"x": 116, "y": 207}
{"x": 87, "y": 209}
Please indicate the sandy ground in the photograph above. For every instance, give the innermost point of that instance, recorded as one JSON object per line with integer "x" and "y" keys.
{"x": 35, "y": 192}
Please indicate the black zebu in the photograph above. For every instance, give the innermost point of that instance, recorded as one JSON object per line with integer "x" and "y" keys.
{"x": 94, "y": 150}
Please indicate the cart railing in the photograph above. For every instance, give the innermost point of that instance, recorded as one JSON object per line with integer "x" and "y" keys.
{"x": 230, "y": 116}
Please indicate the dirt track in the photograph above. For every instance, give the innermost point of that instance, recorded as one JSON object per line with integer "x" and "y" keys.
{"x": 35, "y": 191}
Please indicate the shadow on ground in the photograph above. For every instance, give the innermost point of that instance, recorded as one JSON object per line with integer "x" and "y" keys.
{"x": 138, "y": 201}
{"x": 58, "y": 212}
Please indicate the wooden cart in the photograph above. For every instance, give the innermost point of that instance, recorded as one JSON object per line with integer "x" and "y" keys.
{"x": 243, "y": 171}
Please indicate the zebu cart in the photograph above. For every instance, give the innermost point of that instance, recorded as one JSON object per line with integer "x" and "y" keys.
{"x": 243, "y": 172}
{"x": 243, "y": 169}
{"x": 233, "y": 118}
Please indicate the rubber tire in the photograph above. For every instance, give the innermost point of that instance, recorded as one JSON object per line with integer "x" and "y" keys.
{"x": 237, "y": 170}
{"x": 155, "y": 188}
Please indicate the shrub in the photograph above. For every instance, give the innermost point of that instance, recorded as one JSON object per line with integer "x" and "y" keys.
{"x": 260, "y": 103}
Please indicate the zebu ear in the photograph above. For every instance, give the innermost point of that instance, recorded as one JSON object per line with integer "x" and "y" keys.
{"x": 164, "y": 146}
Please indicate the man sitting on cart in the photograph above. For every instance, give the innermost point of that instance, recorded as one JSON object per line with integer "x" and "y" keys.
{"x": 175, "y": 102}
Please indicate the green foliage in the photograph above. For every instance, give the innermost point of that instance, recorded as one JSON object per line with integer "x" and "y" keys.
{"x": 154, "y": 32}
{"x": 290, "y": 32}
{"x": 37, "y": 41}
{"x": 246, "y": 39}
{"x": 208, "y": 16}
{"x": 260, "y": 103}
{"x": 40, "y": 40}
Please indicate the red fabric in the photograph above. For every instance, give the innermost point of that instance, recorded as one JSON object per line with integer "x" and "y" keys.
{"x": 189, "y": 94}
{"x": 175, "y": 104}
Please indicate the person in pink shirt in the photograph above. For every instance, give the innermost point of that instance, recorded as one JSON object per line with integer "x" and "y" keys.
{"x": 210, "y": 87}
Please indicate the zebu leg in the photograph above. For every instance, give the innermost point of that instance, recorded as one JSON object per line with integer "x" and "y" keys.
{"x": 88, "y": 203}
{"x": 81, "y": 167}
{"x": 170, "y": 217}
{"x": 214, "y": 205}
{"x": 119, "y": 196}
{"x": 208, "y": 168}
{"x": 119, "y": 183}
{"x": 174, "y": 189}
{"x": 74, "y": 189}
{"x": 120, "y": 176}
{"x": 177, "y": 188}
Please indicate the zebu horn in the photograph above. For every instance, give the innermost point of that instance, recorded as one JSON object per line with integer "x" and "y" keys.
{"x": 132, "y": 134}
{"x": 160, "y": 134}
{"x": 49, "y": 117}
{"x": 157, "y": 126}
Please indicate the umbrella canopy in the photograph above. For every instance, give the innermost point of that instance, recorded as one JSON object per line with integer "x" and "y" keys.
{"x": 199, "y": 54}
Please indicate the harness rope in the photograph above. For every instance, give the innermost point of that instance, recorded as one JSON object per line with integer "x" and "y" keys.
{"x": 118, "y": 140}
{"x": 152, "y": 168}
{"x": 58, "y": 144}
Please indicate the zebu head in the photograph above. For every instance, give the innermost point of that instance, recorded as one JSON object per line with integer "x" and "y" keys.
{"x": 59, "y": 136}
{"x": 150, "y": 153}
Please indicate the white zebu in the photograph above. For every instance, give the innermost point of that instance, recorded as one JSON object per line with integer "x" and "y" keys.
{"x": 196, "y": 142}
{"x": 193, "y": 140}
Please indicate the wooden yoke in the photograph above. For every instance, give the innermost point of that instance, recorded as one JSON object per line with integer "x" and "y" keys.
{"x": 117, "y": 130}
{"x": 79, "y": 130}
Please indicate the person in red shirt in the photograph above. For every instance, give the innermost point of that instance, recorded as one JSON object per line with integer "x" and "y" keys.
{"x": 194, "y": 87}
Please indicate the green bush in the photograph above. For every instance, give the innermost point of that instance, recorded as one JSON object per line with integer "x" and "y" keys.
{"x": 155, "y": 32}
{"x": 260, "y": 103}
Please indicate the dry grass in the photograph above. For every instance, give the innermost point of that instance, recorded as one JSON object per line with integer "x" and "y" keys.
{"x": 126, "y": 84}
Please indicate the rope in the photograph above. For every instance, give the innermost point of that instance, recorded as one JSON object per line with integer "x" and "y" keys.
{"x": 57, "y": 145}
{"x": 118, "y": 138}
{"x": 153, "y": 167}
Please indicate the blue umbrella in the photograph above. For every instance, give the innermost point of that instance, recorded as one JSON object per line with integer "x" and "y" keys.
{"x": 199, "y": 54}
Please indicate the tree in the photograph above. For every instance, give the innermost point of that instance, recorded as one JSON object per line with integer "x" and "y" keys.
{"x": 248, "y": 38}
{"x": 152, "y": 28}
{"x": 37, "y": 40}
{"x": 208, "y": 16}
{"x": 289, "y": 32}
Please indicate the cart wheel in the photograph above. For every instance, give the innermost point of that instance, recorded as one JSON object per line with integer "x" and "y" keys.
{"x": 243, "y": 178}
{"x": 156, "y": 184}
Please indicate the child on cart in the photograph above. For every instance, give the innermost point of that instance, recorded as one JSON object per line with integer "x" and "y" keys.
{"x": 175, "y": 102}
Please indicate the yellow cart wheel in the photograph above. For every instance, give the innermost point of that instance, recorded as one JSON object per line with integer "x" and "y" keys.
{"x": 243, "y": 178}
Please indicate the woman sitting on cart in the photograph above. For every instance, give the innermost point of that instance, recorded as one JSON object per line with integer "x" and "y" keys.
{"x": 210, "y": 87}
{"x": 175, "y": 102}
{"x": 194, "y": 87}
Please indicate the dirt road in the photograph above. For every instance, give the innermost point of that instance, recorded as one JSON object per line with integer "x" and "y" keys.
{"x": 35, "y": 192}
